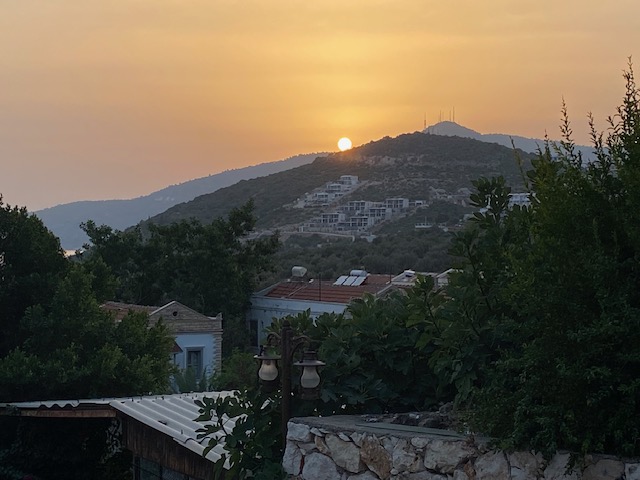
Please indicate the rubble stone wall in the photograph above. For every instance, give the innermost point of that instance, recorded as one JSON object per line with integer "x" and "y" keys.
{"x": 341, "y": 448}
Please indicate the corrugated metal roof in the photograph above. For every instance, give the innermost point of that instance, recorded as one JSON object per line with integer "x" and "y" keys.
{"x": 172, "y": 415}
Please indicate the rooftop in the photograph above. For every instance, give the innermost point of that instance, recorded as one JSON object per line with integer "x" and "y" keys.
{"x": 327, "y": 291}
{"x": 170, "y": 415}
{"x": 178, "y": 317}
{"x": 119, "y": 310}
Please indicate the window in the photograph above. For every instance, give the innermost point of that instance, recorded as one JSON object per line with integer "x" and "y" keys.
{"x": 194, "y": 360}
{"x": 253, "y": 332}
{"x": 144, "y": 469}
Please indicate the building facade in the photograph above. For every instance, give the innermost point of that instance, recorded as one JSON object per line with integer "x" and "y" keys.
{"x": 198, "y": 338}
{"x": 299, "y": 294}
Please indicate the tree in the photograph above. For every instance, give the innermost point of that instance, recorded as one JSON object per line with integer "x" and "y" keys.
{"x": 548, "y": 299}
{"x": 252, "y": 447}
{"x": 372, "y": 363}
{"x": 31, "y": 265}
{"x": 59, "y": 344}
{"x": 211, "y": 268}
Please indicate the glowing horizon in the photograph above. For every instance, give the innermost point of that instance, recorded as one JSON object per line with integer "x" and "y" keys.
{"x": 119, "y": 99}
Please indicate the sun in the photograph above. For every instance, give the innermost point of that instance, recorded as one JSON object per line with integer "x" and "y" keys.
{"x": 344, "y": 144}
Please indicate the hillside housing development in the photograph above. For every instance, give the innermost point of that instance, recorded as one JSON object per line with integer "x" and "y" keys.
{"x": 353, "y": 216}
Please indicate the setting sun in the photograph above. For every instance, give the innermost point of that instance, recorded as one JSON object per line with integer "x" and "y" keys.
{"x": 344, "y": 144}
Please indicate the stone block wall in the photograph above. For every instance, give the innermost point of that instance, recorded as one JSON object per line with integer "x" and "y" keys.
{"x": 343, "y": 448}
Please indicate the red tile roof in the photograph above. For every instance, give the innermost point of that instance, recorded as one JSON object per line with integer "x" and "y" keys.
{"x": 120, "y": 310}
{"x": 326, "y": 291}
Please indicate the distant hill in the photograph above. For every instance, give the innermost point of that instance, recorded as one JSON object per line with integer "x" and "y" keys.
{"x": 64, "y": 220}
{"x": 531, "y": 145}
{"x": 410, "y": 165}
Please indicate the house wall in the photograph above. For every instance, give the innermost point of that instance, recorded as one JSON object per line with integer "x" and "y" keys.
{"x": 159, "y": 448}
{"x": 206, "y": 341}
{"x": 264, "y": 309}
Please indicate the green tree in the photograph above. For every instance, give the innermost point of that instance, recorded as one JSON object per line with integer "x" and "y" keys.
{"x": 74, "y": 349}
{"x": 548, "y": 301}
{"x": 211, "y": 268}
{"x": 238, "y": 372}
{"x": 59, "y": 344}
{"x": 31, "y": 265}
{"x": 372, "y": 363}
{"x": 252, "y": 446}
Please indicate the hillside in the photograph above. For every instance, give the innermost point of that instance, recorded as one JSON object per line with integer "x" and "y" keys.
{"x": 64, "y": 220}
{"x": 410, "y": 165}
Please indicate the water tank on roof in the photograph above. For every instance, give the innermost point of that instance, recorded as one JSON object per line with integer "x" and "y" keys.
{"x": 358, "y": 273}
{"x": 298, "y": 271}
{"x": 409, "y": 273}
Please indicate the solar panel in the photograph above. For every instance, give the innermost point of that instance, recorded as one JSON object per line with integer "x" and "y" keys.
{"x": 359, "y": 281}
{"x": 341, "y": 279}
{"x": 350, "y": 281}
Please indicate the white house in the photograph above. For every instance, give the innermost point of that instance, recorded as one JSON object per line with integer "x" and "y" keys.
{"x": 522, "y": 199}
{"x": 397, "y": 203}
{"x": 198, "y": 338}
{"x": 349, "y": 180}
{"x": 298, "y": 294}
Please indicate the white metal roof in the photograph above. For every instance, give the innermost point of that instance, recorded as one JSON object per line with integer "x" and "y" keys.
{"x": 172, "y": 415}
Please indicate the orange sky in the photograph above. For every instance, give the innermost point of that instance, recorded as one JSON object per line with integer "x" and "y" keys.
{"x": 118, "y": 98}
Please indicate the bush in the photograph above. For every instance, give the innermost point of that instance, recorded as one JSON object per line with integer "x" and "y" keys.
{"x": 551, "y": 296}
{"x": 238, "y": 371}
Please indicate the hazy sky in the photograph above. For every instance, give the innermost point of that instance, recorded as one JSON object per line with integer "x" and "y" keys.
{"x": 118, "y": 98}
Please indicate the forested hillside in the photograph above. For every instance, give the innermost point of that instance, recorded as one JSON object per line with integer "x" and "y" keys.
{"x": 409, "y": 166}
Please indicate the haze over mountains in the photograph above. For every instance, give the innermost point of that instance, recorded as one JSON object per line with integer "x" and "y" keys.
{"x": 64, "y": 220}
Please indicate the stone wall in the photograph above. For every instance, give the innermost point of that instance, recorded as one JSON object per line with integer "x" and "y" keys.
{"x": 348, "y": 448}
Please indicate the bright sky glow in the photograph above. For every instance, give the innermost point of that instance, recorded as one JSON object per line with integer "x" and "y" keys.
{"x": 118, "y": 98}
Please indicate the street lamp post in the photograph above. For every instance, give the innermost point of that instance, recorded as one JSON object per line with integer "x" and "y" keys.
{"x": 268, "y": 372}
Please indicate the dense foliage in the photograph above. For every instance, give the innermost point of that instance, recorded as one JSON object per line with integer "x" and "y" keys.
{"x": 211, "y": 268}
{"x": 391, "y": 253}
{"x": 252, "y": 445}
{"x": 31, "y": 265}
{"x": 57, "y": 343}
{"x": 238, "y": 372}
{"x": 549, "y": 299}
{"x": 365, "y": 349}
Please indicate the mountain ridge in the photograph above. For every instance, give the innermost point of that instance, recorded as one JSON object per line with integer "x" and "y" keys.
{"x": 530, "y": 145}
{"x": 411, "y": 165}
{"x": 64, "y": 220}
